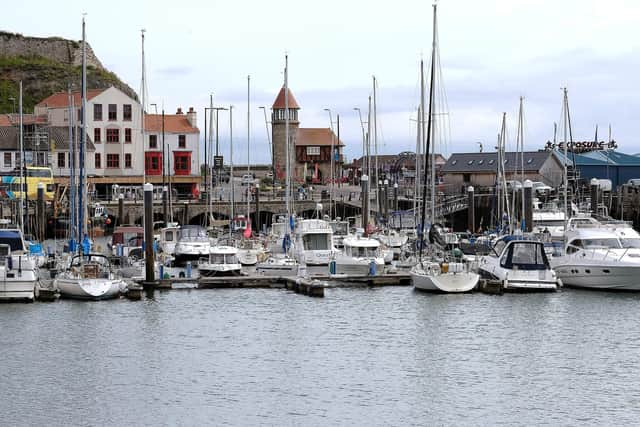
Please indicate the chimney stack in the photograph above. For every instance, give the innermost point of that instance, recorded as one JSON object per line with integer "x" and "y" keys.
{"x": 179, "y": 110}
{"x": 192, "y": 117}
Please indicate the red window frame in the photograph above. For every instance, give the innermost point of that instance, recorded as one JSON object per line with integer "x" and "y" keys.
{"x": 113, "y": 136}
{"x": 127, "y": 135}
{"x": 113, "y": 161}
{"x": 182, "y": 162}
{"x": 153, "y": 163}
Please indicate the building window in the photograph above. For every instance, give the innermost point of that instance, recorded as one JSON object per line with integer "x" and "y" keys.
{"x": 127, "y": 160}
{"x": 182, "y": 163}
{"x": 113, "y": 161}
{"x": 126, "y": 112}
{"x": 313, "y": 151}
{"x": 96, "y": 135}
{"x": 127, "y": 135}
{"x": 7, "y": 160}
{"x": 153, "y": 141}
{"x": 113, "y": 112}
{"x": 97, "y": 161}
{"x": 41, "y": 159}
{"x": 97, "y": 112}
{"x": 113, "y": 135}
{"x": 153, "y": 163}
{"x": 182, "y": 141}
{"x": 17, "y": 159}
{"x": 61, "y": 159}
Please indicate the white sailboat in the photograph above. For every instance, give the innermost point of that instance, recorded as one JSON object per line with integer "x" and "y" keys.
{"x": 86, "y": 276}
{"x": 433, "y": 273}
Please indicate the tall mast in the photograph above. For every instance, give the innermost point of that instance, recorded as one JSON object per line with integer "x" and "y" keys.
{"x": 421, "y": 127}
{"x": 434, "y": 57}
{"x": 565, "y": 103}
{"x": 416, "y": 181}
{"x": 143, "y": 94}
{"x": 428, "y": 133}
{"x": 22, "y": 162}
{"x": 83, "y": 135}
{"x": 233, "y": 193}
{"x": 286, "y": 136}
{"x": 375, "y": 146}
{"x": 521, "y": 141}
{"x": 249, "y": 148}
{"x": 72, "y": 166}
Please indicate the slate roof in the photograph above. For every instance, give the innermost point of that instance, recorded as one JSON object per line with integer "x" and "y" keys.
{"x": 486, "y": 162}
{"x": 59, "y": 135}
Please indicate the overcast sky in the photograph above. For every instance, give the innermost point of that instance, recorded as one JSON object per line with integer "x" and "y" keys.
{"x": 492, "y": 52}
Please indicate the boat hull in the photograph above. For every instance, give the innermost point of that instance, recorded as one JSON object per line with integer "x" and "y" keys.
{"x": 89, "y": 289}
{"x": 454, "y": 282}
{"x": 604, "y": 277}
{"x": 17, "y": 290}
{"x": 220, "y": 270}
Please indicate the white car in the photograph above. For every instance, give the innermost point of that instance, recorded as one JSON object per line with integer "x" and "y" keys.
{"x": 540, "y": 188}
{"x": 247, "y": 179}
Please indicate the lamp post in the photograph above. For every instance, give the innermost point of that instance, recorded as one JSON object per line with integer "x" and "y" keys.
{"x": 331, "y": 204}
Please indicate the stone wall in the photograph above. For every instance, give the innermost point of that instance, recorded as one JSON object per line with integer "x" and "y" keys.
{"x": 53, "y": 48}
{"x": 279, "y": 146}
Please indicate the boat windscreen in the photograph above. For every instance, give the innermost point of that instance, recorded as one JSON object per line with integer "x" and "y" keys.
{"x": 630, "y": 242}
{"x": 13, "y": 239}
{"x": 525, "y": 256}
{"x": 607, "y": 242}
{"x": 316, "y": 242}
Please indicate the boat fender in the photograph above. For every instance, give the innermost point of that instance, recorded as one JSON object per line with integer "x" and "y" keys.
{"x": 372, "y": 268}
{"x": 444, "y": 267}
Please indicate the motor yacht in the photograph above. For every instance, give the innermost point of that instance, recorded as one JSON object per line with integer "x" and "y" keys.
{"x": 222, "y": 261}
{"x": 359, "y": 256}
{"x": 19, "y": 273}
{"x": 313, "y": 242}
{"x": 192, "y": 245}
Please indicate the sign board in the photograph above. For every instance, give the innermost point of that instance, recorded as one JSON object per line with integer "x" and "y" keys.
{"x": 218, "y": 162}
{"x": 583, "y": 146}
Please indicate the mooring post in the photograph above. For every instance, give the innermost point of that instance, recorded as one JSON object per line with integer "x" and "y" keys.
{"x": 364, "y": 180}
{"x": 41, "y": 214}
{"x": 185, "y": 213}
{"x": 594, "y": 195}
{"x": 395, "y": 196}
{"x": 165, "y": 190}
{"x": 120, "y": 209}
{"x": 528, "y": 205}
{"x": 471, "y": 208}
{"x": 148, "y": 235}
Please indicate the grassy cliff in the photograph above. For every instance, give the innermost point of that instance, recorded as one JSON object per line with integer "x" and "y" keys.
{"x": 41, "y": 76}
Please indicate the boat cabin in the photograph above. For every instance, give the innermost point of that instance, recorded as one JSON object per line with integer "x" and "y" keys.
{"x": 522, "y": 255}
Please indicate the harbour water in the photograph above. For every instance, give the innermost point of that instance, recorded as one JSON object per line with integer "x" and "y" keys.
{"x": 383, "y": 356}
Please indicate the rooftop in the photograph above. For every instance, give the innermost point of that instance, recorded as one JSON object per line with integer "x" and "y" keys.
{"x": 279, "y": 102}
{"x": 317, "y": 136}
{"x": 173, "y": 123}
{"x": 486, "y": 162}
{"x": 61, "y": 99}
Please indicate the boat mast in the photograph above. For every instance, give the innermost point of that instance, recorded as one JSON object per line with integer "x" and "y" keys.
{"x": 22, "y": 162}
{"x": 249, "y": 151}
{"x": 416, "y": 181}
{"x": 421, "y": 127}
{"x": 233, "y": 193}
{"x": 143, "y": 92}
{"x": 521, "y": 141}
{"x": 375, "y": 147}
{"x": 428, "y": 133}
{"x": 566, "y": 158}
{"x": 434, "y": 57}
{"x": 286, "y": 137}
{"x": 83, "y": 135}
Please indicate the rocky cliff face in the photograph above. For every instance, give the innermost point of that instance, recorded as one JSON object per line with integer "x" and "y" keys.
{"x": 45, "y": 66}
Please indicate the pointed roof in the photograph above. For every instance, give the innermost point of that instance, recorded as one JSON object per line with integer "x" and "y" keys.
{"x": 279, "y": 102}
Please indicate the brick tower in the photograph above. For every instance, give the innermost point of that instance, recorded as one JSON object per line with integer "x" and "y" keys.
{"x": 278, "y": 133}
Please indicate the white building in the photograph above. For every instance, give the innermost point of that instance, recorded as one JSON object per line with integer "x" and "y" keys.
{"x": 120, "y": 155}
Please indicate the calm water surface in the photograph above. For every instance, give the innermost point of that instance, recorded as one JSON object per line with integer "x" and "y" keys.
{"x": 385, "y": 356}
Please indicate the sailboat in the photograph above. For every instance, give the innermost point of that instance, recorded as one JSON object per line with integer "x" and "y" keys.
{"x": 436, "y": 273}
{"x": 86, "y": 275}
{"x": 284, "y": 264}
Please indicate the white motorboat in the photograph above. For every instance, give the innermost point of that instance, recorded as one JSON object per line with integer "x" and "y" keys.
{"x": 127, "y": 241}
{"x": 521, "y": 265}
{"x": 193, "y": 244}
{"x": 600, "y": 258}
{"x": 251, "y": 251}
{"x": 340, "y": 231}
{"x": 449, "y": 277}
{"x": 280, "y": 265}
{"x": 314, "y": 242}
{"x": 168, "y": 238}
{"x": 278, "y": 241}
{"x": 222, "y": 261}
{"x": 360, "y": 256}
{"x": 393, "y": 240}
{"x": 89, "y": 277}
{"x": 19, "y": 273}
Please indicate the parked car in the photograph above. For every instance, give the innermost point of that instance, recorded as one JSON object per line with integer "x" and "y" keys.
{"x": 247, "y": 179}
{"x": 634, "y": 182}
{"x": 511, "y": 185}
{"x": 541, "y": 189}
